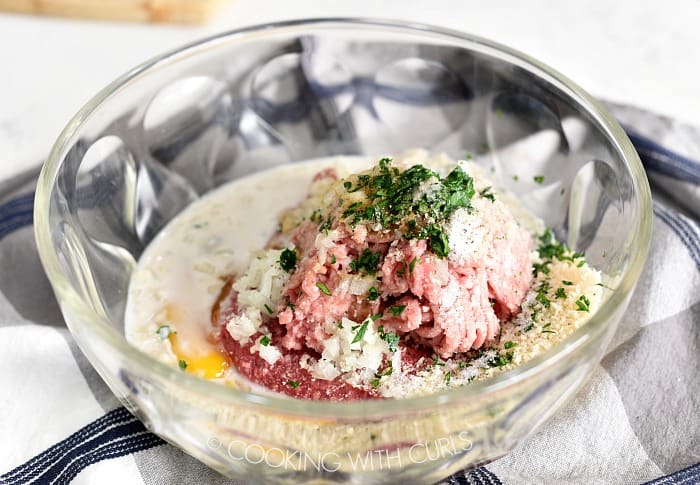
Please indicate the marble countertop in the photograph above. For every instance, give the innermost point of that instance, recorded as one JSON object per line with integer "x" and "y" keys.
{"x": 641, "y": 52}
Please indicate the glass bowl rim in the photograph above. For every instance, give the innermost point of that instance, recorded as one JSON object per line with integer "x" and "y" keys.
{"x": 99, "y": 324}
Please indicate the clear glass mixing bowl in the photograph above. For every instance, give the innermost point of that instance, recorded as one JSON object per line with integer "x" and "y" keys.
{"x": 184, "y": 123}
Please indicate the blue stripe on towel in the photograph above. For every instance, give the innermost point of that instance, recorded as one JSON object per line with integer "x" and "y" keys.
{"x": 113, "y": 417}
{"x": 115, "y": 449}
{"x": 20, "y": 201}
{"x": 474, "y": 476}
{"x": 16, "y": 214}
{"x": 488, "y": 476}
{"x": 657, "y": 158}
{"x": 458, "y": 479}
{"x": 687, "y": 476}
{"x": 115, "y": 434}
{"x": 684, "y": 228}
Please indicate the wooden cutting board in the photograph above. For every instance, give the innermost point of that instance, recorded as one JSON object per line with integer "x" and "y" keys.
{"x": 176, "y": 11}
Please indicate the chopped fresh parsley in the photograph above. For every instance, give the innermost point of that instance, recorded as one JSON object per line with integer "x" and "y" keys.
{"x": 333, "y": 260}
{"x": 372, "y": 294}
{"x": 437, "y": 239}
{"x": 583, "y": 304}
{"x": 324, "y": 289}
{"x": 182, "y": 364}
{"x": 550, "y": 249}
{"x": 436, "y": 360}
{"x": 269, "y": 310}
{"x": 378, "y": 375}
{"x": 360, "y": 332}
{"x": 542, "y": 294}
{"x": 402, "y": 270}
{"x": 499, "y": 360}
{"x": 396, "y": 310}
{"x": 288, "y": 259}
{"x": 487, "y": 194}
{"x": 546, "y": 329}
{"x": 566, "y": 282}
{"x": 164, "y": 332}
{"x": 392, "y": 201}
{"x": 412, "y": 265}
{"x": 509, "y": 344}
{"x": 560, "y": 293}
{"x": 538, "y": 179}
{"x": 390, "y": 338}
{"x": 448, "y": 377}
{"x": 265, "y": 341}
{"x": 293, "y": 384}
{"x": 367, "y": 261}
{"x": 325, "y": 226}
{"x": 542, "y": 298}
{"x": 538, "y": 268}
{"x": 351, "y": 209}
{"x": 529, "y": 327}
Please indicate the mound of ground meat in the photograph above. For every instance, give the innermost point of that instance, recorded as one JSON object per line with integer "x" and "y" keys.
{"x": 449, "y": 304}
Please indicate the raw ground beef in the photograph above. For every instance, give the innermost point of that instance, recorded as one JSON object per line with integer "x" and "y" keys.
{"x": 450, "y": 306}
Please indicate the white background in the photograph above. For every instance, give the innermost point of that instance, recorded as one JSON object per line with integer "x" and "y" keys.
{"x": 641, "y": 52}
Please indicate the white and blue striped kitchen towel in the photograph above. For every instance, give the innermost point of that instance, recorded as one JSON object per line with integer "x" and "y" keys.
{"x": 636, "y": 420}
